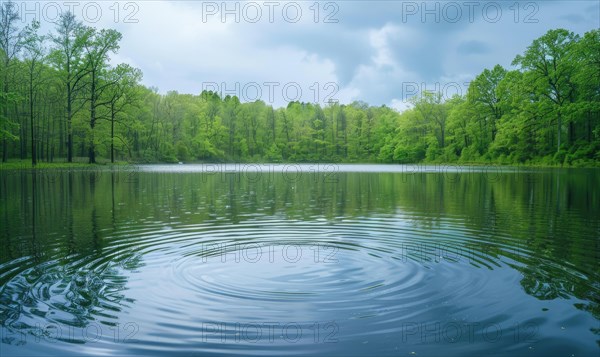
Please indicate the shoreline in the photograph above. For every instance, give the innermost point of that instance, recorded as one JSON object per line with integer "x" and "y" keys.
{"x": 26, "y": 165}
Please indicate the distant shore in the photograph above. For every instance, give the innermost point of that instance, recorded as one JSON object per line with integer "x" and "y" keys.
{"x": 26, "y": 164}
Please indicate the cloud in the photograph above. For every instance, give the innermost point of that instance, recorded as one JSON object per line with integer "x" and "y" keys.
{"x": 347, "y": 48}
{"x": 372, "y": 50}
{"x": 573, "y": 18}
{"x": 473, "y": 48}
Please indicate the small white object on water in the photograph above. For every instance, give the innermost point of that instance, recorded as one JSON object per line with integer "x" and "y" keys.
{"x": 180, "y": 163}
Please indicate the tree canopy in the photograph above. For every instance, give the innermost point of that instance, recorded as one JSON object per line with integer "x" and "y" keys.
{"x": 61, "y": 99}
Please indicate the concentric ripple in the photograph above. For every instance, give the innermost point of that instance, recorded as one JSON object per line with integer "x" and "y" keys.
{"x": 263, "y": 269}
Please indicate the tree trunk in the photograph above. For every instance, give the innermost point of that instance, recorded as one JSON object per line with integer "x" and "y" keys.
{"x": 571, "y": 135}
{"x": 112, "y": 133}
{"x": 92, "y": 150}
{"x": 92, "y": 155}
{"x": 4, "y": 149}
{"x": 23, "y": 129}
{"x": 558, "y": 130}
{"x": 5, "y": 109}
{"x": 589, "y": 126}
{"x": 33, "y": 152}
{"x": 69, "y": 130}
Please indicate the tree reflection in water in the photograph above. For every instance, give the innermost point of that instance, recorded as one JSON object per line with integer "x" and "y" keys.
{"x": 72, "y": 287}
{"x": 68, "y": 249}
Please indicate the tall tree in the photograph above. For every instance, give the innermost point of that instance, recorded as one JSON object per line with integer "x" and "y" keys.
{"x": 34, "y": 49}
{"x": 70, "y": 40}
{"x": 429, "y": 105}
{"x": 484, "y": 93}
{"x": 99, "y": 46}
{"x": 122, "y": 93}
{"x": 11, "y": 38}
{"x": 587, "y": 54}
{"x": 550, "y": 60}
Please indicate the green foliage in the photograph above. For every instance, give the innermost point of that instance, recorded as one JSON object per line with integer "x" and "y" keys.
{"x": 183, "y": 153}
{"x": 168, "y": 154}
{"x": 545, "y": 112}
{"x": 434, "y": 152}
{"x": 273, "y": 154}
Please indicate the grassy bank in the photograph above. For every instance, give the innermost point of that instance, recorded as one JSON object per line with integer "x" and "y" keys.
{"x": 77, "y": 163}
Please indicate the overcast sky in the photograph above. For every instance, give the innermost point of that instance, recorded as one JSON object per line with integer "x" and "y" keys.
{"x": 380, "y": 52}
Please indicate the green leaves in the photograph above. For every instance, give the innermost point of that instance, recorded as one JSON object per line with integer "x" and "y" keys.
{"x": 546, "y": 110}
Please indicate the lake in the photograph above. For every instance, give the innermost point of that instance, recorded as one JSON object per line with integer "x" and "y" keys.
{"x": 316, "y": 259}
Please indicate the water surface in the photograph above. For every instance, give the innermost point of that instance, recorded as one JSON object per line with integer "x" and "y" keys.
{"x": 300, "y": 259}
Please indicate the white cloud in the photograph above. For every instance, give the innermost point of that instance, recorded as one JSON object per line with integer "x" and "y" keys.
{"x": 369, "y": 49}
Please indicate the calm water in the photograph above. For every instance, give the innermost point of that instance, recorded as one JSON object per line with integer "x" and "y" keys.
{"x": 297, "y": 260}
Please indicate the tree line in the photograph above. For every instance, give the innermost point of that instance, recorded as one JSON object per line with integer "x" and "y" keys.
{"x": 61, "y": 99}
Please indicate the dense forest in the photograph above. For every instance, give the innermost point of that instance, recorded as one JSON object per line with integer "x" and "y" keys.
{"x": 62, "y": 100}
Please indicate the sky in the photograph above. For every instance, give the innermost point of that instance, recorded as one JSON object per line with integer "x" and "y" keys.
{"x": 379, "y": 52}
